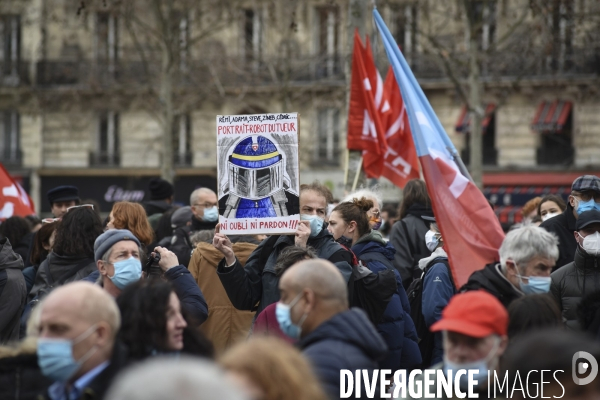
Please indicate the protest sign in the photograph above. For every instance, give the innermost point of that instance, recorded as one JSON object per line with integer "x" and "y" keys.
{"x": 258, "y": 173}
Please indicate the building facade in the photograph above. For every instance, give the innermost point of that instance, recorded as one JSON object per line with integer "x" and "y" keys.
{"x": 88, "y": 89}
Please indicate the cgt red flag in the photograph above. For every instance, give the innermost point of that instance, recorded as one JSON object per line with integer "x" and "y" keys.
{"x": 400, "y": 163}
{"x": 365, "y": 127}
{"x": 14, "y": 200}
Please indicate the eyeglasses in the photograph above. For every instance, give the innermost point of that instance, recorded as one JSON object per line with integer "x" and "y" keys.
{"x": 81, "y": 205}
{"x": 588, "y": 195}
{"x": 206, "y": 205}
{"x": 50, "y": 220}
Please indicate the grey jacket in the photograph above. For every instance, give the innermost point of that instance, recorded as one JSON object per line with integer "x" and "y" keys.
{"x": 13, "y": 292}
{"x": 58, "y": 267}
{"x": 574, "y": 281}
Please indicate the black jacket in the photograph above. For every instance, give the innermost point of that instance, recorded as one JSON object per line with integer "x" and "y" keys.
{"x": 21, "y": 378}
{"x": 23, "y": 247}
{"x": 156, "y": 207}
{"x": 58, "y": 267}
{"x": 493, "y": 281}
{"x": 573, "y": 282}
{"x": 198, "y": 225}
{"x": 13, "y": 292}
{"x": 410, "y": 248}
{"x": 346, "y": 341}
{"x": 246, "y": 286}
{"x": 563, "y": 226}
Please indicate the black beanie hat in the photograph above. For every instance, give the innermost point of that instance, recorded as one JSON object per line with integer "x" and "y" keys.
{"x": 160, "y": 189}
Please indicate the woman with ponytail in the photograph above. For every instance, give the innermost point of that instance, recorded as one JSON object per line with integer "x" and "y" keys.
{"x": 349, "y": 225}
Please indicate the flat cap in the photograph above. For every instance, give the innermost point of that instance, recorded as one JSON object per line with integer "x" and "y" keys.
{"x": 586, "y": 182}
{"x": 63, "y": 193}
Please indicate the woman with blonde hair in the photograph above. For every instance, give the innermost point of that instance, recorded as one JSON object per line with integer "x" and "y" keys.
{"x": 131, "y": 216}
{"x": 270, "y": 369}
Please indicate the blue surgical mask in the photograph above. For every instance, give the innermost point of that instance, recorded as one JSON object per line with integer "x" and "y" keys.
{"x": 535, "y": 284}
{"x": 316, "y": 223}
{"x": 55, "y": 356}
{"x": 480, "y": 365}
{"x": 211, "y": 214}
{"x": 284, "y": 318}
{"x": 583, "y": 206}
{"x": 126, "y": 272}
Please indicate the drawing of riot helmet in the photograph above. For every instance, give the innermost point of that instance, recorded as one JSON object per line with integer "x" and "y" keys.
{"x": 258, "y": 185}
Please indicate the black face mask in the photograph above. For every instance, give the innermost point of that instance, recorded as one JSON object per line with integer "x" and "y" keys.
{"x": 344, "y": 241}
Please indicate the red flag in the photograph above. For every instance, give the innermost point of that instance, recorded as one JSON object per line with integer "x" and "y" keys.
{"x": 365, "y": 128}
{"x": 14, "y": 200}
{"x": 401, "y": 163}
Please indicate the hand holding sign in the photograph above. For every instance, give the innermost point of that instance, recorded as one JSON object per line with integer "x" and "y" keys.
{"x": 224, "y": 245}
{"x": 302, "y": 233}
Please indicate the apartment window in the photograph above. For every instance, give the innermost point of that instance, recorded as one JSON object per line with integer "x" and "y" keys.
{"x": 252, "y": 30}
{"x": 553, "y": 120}
{"x": 327, "y": 148}
{"x": 181, "y": 32}
{"x": 328, "y": 29}
{"x": 10, "y": 52}
{"x": 10, "y": 141}
{"x": 488, "y": 130}
{"x": 107, "y": 40}
{"x": 405, "y": 32}
{"x": 182, "y": 138}
{"x": 560, "y": 21}
{"x": 483, "y": 17}
{"x": 107, "y": 140}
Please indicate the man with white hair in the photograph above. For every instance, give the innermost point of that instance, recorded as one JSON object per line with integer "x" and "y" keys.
{"x": 76, "y": 346}
{"x": 374, "y": 213}
{"x": 527, "y": 256}
{"x": 205, "y": 210}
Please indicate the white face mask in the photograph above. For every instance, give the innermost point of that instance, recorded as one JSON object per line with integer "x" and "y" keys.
{"x": 591, "y": 243}
{"x": 431, "y": 240}
{"x": 549, "y": 215}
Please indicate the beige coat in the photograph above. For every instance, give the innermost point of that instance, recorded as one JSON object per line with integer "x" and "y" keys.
{"x": 225, "y": 324}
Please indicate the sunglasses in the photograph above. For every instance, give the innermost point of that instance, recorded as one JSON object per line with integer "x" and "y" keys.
{"x": 81, "y": 205}
{"x": 50, "y": 220}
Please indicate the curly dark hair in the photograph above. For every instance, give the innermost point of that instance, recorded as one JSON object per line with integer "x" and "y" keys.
{"x": 77, "y": 232}
{"x": 143, "y": 307}
{"x": 14, "y": 229}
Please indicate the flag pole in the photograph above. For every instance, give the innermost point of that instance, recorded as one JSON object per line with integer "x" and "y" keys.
{"x": 346, "y": 167}
{"x": 460, "y": 163}
{"x": 360, "y": 163}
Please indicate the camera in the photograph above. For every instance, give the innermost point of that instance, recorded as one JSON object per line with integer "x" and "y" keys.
{"x": 151, "y": 268}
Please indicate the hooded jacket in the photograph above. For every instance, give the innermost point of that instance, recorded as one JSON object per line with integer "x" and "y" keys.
{"x": 225, "y": 324}
{"x": 257, "y": 281}
{"x": 396, "y": 327}
{"x": 346, "y": 341}
{"x": 492, "y": 280}
{"x": 13, "y": 292}
{"x": 58, "y": 266}
{"x": 563, "y": 226}
{"x": 20, "y": 375}
{"x": 410, "y": 249}
{"x": 574, "y": 281}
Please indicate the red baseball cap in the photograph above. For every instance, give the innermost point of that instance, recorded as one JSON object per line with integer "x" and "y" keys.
{"x": 477, "y": 314}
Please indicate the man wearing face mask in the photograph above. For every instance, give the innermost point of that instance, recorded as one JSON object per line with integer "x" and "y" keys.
{"x": 117, "y": 253}
{"x": 205, "y": 211}
{"x": 582, "y": 276}
{"x": 314, "y": 309}
{"x": 438, "y": 289}
{"x": 257, "y": 281}
{"x": 474, "y": 327}
{"x": 76, "y": 346}
{"x": 585, "y": 196}
{"x": 527, "y": 256}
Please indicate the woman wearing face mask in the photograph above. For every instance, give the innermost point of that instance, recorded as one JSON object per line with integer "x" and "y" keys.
{"x": 154, "y": 323}
{"x": 349, "y": 225}
{"x": 551, "y": 206}
{"x": 581, "y": 277}
{"x": 438, "y": 289}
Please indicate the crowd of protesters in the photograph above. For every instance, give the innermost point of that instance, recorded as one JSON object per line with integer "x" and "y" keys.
{"x": 153, "y": 302}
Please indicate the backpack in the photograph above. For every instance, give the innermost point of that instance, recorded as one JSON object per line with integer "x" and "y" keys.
{"x": 368, "y": 290}
{"x": 416, "y": 256}
{"x": 415, "y": 298}
{"x": 181, "y": 245}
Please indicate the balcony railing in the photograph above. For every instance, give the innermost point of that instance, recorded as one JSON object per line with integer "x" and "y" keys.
{"x": 100, "y": 159}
